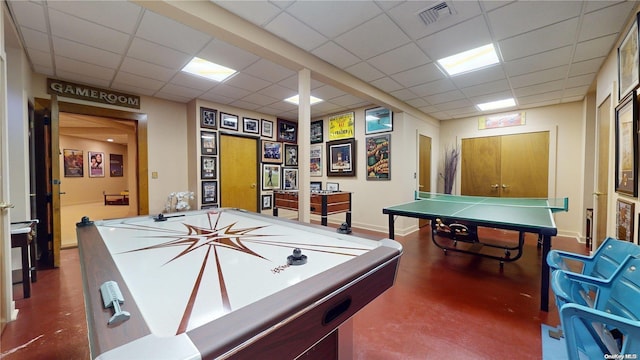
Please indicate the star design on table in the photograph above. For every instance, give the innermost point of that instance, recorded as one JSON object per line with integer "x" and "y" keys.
{"x": 211, "y": 238}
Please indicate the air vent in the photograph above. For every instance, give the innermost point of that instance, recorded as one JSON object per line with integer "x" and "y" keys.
{"x": 438, "y": 11}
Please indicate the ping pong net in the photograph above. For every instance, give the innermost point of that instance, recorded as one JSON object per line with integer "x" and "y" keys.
{"x": 553, "y": 204}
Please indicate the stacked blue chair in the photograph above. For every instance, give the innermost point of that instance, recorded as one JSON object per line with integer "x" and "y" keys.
{"x": 590, "y": 331}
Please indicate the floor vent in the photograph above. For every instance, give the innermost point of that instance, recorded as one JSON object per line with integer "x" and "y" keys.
{"x": 432, "y": 14}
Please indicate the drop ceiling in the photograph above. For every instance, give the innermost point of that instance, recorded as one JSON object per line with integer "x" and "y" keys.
{"x": 550, "y": 51}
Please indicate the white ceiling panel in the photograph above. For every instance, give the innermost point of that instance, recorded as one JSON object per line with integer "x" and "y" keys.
{"x": 550, "y": 50}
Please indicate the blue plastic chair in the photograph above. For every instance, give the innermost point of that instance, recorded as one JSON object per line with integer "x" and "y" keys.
{"x": 589, "y": 331}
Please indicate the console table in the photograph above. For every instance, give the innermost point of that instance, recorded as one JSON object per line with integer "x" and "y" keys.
{"x": 23, "y": 237}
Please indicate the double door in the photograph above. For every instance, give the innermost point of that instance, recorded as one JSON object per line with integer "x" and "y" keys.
{"x": 506, "y": 166}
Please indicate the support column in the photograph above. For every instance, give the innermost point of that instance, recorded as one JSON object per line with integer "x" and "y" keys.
{"x": 304, "y": 139}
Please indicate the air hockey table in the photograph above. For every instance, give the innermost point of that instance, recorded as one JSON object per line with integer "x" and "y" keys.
{"x": 225, "y": 284}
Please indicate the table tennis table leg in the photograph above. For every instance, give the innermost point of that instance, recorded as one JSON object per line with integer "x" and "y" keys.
{"x": 391, "y": 227}
{"x": 544, "y": 284}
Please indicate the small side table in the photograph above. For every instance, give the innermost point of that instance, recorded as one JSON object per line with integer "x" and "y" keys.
{"x": 23, "y": 237}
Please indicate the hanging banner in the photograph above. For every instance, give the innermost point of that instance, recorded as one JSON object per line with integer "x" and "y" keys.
{"x": 89, "y": 93}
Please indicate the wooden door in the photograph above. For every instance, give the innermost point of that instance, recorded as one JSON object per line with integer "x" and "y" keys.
{"x": 239, "y": 172}
{"x": 506, "y": 166}
{"x": 424, "y": 168}
{"x": 480, "y": 166}
{"x": 602, "y": 176}
{"x": 524, "y": 166}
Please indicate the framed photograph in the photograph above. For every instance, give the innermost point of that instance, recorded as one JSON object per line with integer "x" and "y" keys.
{"x": 267, "y": 128}
{"x": 271, "y": 152}
{"x": 378, "y": 157}
{"x": 316, "y": 186}
{"x": 287, "y": 131}
{"x": 317, "y": 132}
{"x": 341, "y": 157}
{"x": 627, "y": 145}
{"x": 251, "y": 126}
{"x": 628, "y": 63}
{"x": 270, "y": 177}
{"x": 331, "y": 186}
{"x": 625, "y": 213}
{"x": 209, "y": 192}
{"x": 116, "y": 165}
{"x": 290, "y": 155}
{"x": 228, "y": 121}
{"x": 208, "y": 167}
{"x": 96, "y": 164}
{"x": 378, "y": 120}
{"x": 342, "y": 126}
{"x": 315, "y": 160}
{"x": 208, "y": 118}
{"x": 208, "y": 143}
{"x": 73, "y": 163}
{"x": 266, "y": 202}
{"x": 290, "y": 177}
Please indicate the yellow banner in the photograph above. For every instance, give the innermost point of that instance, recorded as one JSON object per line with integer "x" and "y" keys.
{"x": 342, "y": 126}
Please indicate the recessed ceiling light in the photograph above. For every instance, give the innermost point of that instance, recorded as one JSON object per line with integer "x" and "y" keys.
{"x": 295, "y": 100}
{"x": 470, "y": 60}
{"x": 207, "y": 69}
{"x": 110, "y": 140}
{"x": 499, "y": 104}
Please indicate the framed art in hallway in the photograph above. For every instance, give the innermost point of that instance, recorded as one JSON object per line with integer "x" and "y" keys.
{"x": 208, "y": 143}
{"x": 378, "y": 157}
{"x": 209, "y": 192}
{"x": 208, "y": 118}
{"x": 96, "y": 164}
{"x": 251, "y": 126}
{"x": 628, "y": 61}
{"x": 270, "y": 177}
{"x": 116, "y": 165}
{"x": 625, "y": 214}
{"x": 208, "y": 167}
{"x": 341, "y": 157}
{"x": 73, "y": 163}
{"x": 626, "y": 143}
{"x": 287, "y": 131}
{"x": 272, "y": 152}
{"x": 315, "y": 160}
{"x": 317, "y": 132}
{"x": 378, "y": 120}
{"x": 228, "y": 121}
{"x": 266, "y": 202}
{"x": 267, "y": 128}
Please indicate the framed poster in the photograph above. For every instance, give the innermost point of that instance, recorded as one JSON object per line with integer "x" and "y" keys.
{"x": 628, "y": 63}
{"x": 228, "y": 121}
{"x": 271, "y": 152}
{"x": 267, "y": 128}
{"x": 266, "y": 202}
{"x": 317, "y": 132}
{"x": 208, "y": 143}
{"x": 331, "y": 186}
{"x": 342, "y": 126}
{"x": 341, "y": 157}
{"x": 270, "y": 177}
{"x": 96, "y": 166}
{"x": 208, "y": 118}
{"x": 627, "y": 146}
{"x": 208, "y": 167}
{"x": 251, "y": 126}
{"x": 73, "y": 163}
{"x": 378, "y": 120}
{"x": 209, "y": 192}
{"x": 116, "y": 165}
{"x": 290, "y": 177}
{"x": 378, "y": 157}
{"x": 625, "y": 214}
{"x": 315, "y": 160}
{"x": 287, "y": 131}
{"x": 290, "y": 155}
{"x": 316, "y": 186}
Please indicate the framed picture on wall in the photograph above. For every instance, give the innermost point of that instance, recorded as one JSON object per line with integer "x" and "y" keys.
{"x": 228, "y": 121}
{"x": 627, "y": 146}
{"x": 625, "y": 214}
{"x": 251, "y": 126}
{"x": 271, "y": 152}
{"x": 331, "y": 186}
{"x": 267, "y": 128}
{"x": 317, "y": 132}
{"x": 266, "y": 202}
{"x": 628, "y": 63}
{"x": 96, "y": 164}
{"x": 208, "y": 118}
{"x": 209, "y": 192}
{"x": 287, "y": 131}
{"x": 116, "y": 165}
{"x": 341, "y": 157}
{"x": 290, "y": 179}
{"x": 73, "y": 163}
{"x": 208, "y": 143}
{"x": 378, "y": 120}
{"x": 270, "y": 177}
{"x": 315, "y": 160}
{"x": 208, "y": 167}
{"x": 316, "y": 186}
{"x": 290, "y": 155}
{"x": 379, "y": 157}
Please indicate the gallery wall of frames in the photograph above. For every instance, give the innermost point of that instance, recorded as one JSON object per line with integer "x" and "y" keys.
{"x": 332, "y": 150}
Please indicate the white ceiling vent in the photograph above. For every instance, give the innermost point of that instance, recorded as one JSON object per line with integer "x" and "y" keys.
{"x": 438, "y": 11}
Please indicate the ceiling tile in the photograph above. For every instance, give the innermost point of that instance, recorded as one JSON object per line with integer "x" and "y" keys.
{"x": 386, "y": 84}
{"x": 445, "y": 97}
{"x": 605, "y": 21}
{"x": 491, "y": 73}
{"x": 267, "y": 70}
{"x": 596, "y": 48}
{"x": 585, "y": 67}
{"x": 456, "y": 39}
{"x": 543, "y": 61}
{"x": 193, "y": 81}
{"x": 521, "y": 16}
{"x": 66, "y": 26}
{"x": 332, "y": 18}
{"x": 227, "y": 55}
{"x": 127, "y": 79}
{"x": 169, "y": 33}
{"x": 82, "y": 78}
{"x": 278, "y": 92}
{"x": 581, "y": 80}
{"x": 406, "y": 57}
{"x": 419, "y": 75}
{"x": 81, "y": 68}
{"x": 260, "y": 99}
{"x": 541, "y": 40}
{"x": 40, "y": 58}
{"x": 147, "y": 51}
{"x": 433, "y": 87}
{"x": 364, "y": 71}
{"x": 406, "y": 15}
{"x": 247, "y": 82}
{"x": 146, "y": 69}
{"x": 486, "y": 88}
{"x": 335, "y": 54}
{"x": 36, "y": 39}
{"x": 86, "y": 53}
{"x": 294, "y": 31}
{"x": 540, "y": 88}
{"x": 229, "y": 91}
{"x": 117, "y": 15}
{"x": 538, "y": 77}
{"x": 327, "y": 92}
{"x": 180, "y": 91}
{"x": 257, "y": 12}
{"x": 30, "y": 14}
{"x": 373, "y": 37}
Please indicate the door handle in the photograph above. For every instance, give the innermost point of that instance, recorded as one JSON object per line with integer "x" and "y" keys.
{"x": 598, "y": 193}
{"x": 253, "y": 186}
{"x": 62, "y": 193}
{"x": 4, "y": 205}
{"x": 504, "y": 186}
{"x": 495, "y": 186}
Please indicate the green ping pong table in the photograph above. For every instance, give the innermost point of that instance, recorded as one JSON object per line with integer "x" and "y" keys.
{"x": 459, "y": 216}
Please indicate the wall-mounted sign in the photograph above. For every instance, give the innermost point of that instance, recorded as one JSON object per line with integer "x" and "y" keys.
{"x": 89, "y": 93}
{"x": 501, "y": 120}
{"x": 342, "y": 126}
